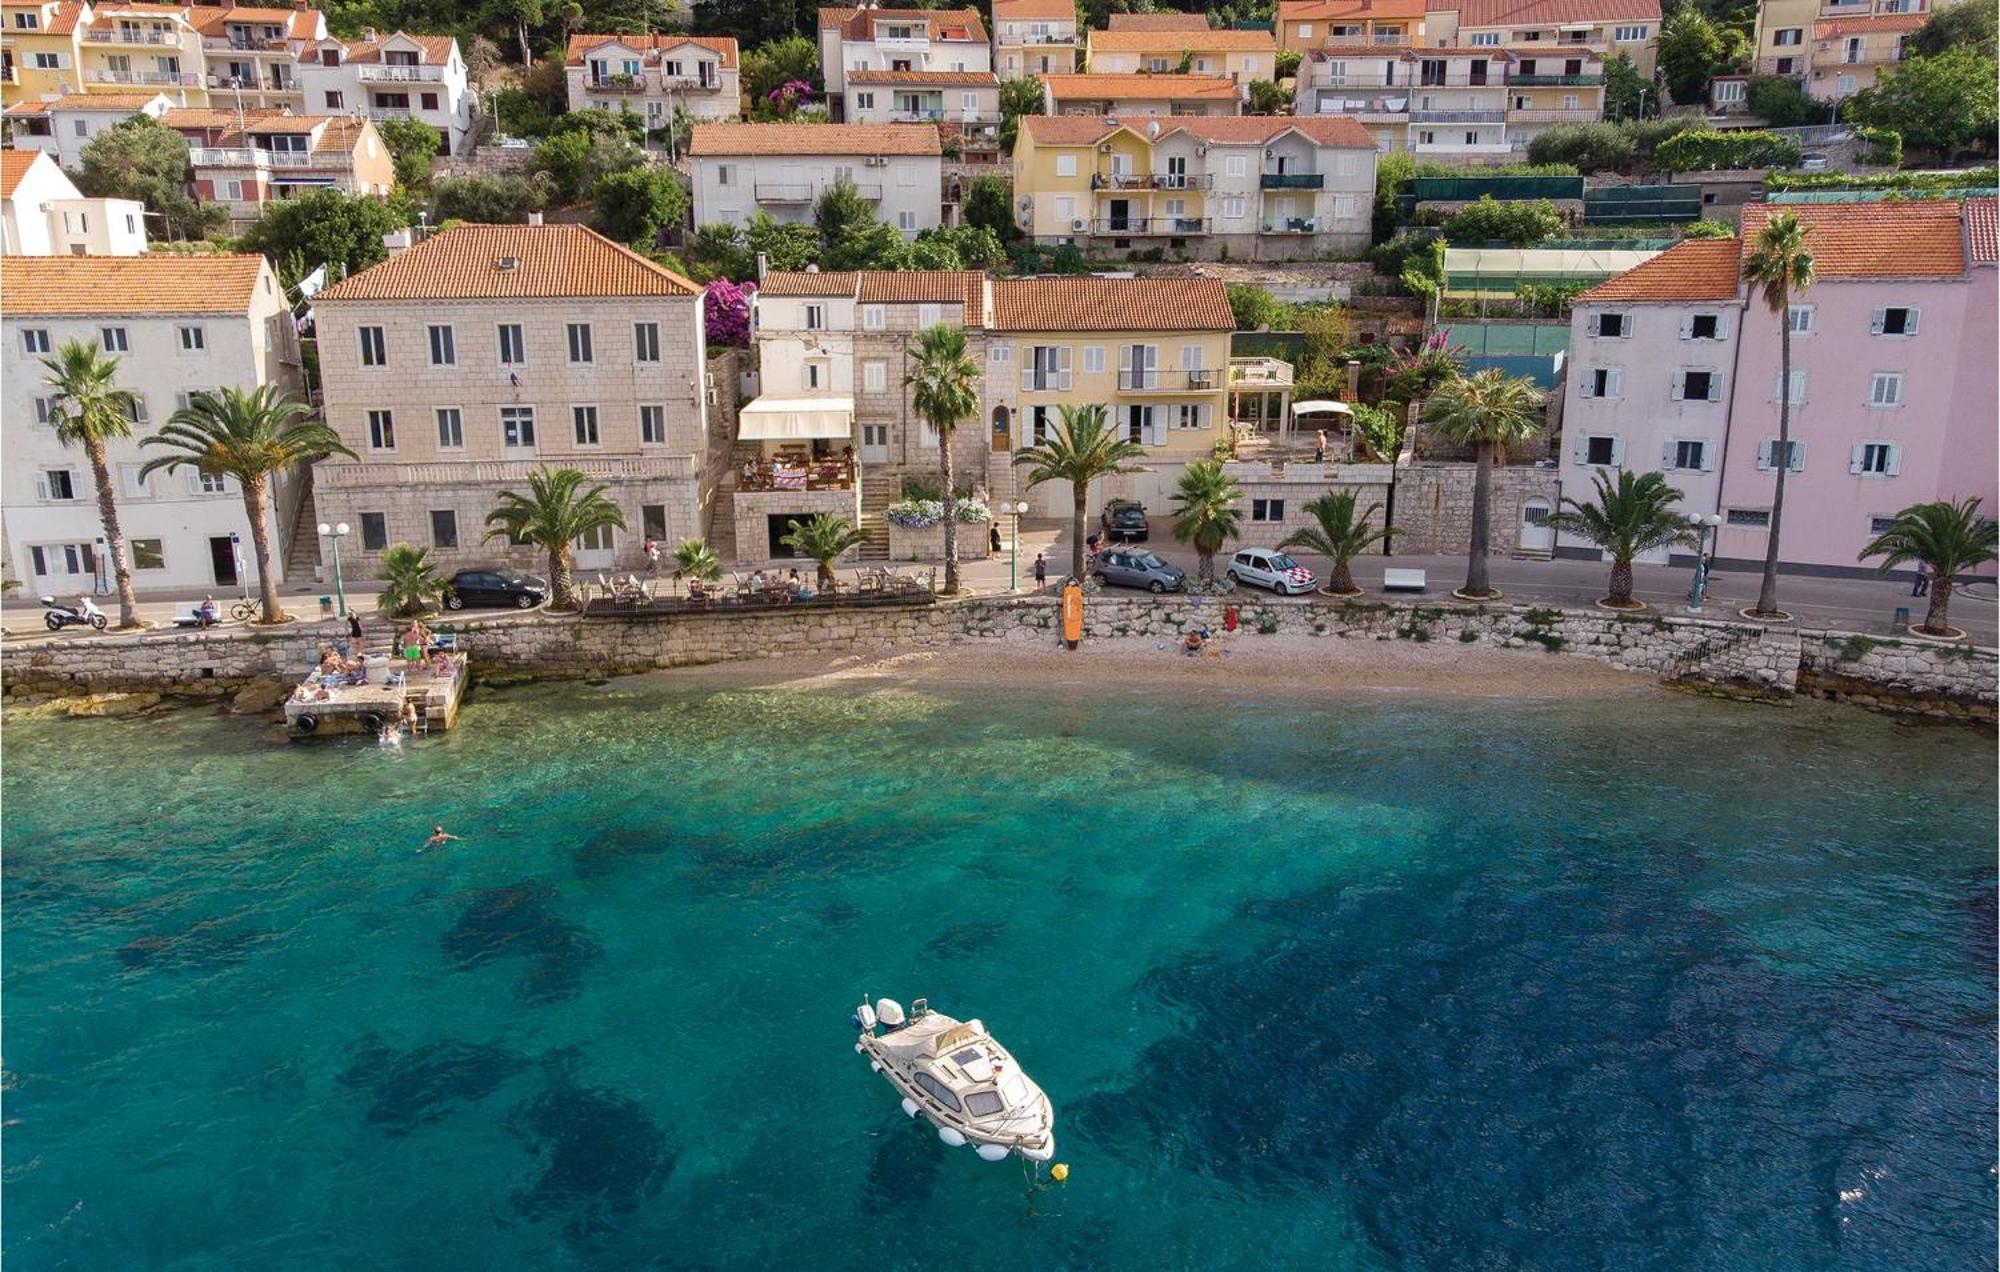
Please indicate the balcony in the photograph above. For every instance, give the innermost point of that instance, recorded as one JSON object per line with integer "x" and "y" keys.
{"x": 1458, "y": 116}
{"x": 690, "y": 84}
{"x": 1150, "y": 181}
{"x": 1169, "y": 381}
{"x": 1291, "y": 225}
{"x": 1149, "y": 225}
{"x": 398, "y": 74}
{"x": 1554, "y": 81}
{"x": 1553, "y": 116}
{"x": 1264, "y": 373}
{"x": 244, "y": 44}
{"x": 132, "y": 37}
{"x": 903, "y": 41}
{"x": 1292, "y": 180}
{"x": 491, "y": 473}
{"x": 251, "y": 157}
{"x": 1462, "y": 148}
{"x": 251, "y": 85}
{"x": 391, "y": 112}
{"x": 784, "y": 192}
{"x": 1380, "y": 40}
{"x": 1047, "y": 37}
{"x": 186, "y": 79}
{"x": 617, "y": 84}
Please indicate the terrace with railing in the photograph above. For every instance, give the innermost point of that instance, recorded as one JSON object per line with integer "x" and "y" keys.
{"x": 1151, "y": 181}
{"x": 252, "y": 157}
{"x": 1292, "y": 180}
{"x": 130, "y": 35}
{"x": 1170, "y": 381}
{"x": 399, "y": 74}
{"x": 186, "y": 79}
{"x": 1150, "y": 225}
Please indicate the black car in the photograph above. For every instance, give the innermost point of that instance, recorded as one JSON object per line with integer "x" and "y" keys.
{"x": 481, "y": 588}
{"x": 1126, "y": 520}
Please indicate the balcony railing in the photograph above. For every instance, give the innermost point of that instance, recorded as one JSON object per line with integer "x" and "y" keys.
{"x": 1150, "y": 181}
{"x": 399, "y": 74}
{"x": 251, "y": 157}
{"x": 1462, "y": 148}
{"x": 1291, "y": 225}
{"x": 1150, "y": 225}
{"x": 1168, "y": 381}
{"x": 131, "y": 37}
{"x": 1458, "y": 116}
{"x": 487, "y": 473}
{"x": 689, "y": 83}
{"x": 1033, "y": 381}
{"x": 1381, "y": 39}
{"x": 784, "y": 192}
{"x": 182, "y": 78}
{"x": 251, "y": 85}
{"x": 1292, "y": 180}
{"x": 245, "y": 44}
{"x": 617, "y": 84}
{"x": 903, "y": 41}
{"x": 1553, "y": 81}
{"x": 1046, "y": 37}
{"x": 390, "y": 112}
{"x": 1552, "y": 116}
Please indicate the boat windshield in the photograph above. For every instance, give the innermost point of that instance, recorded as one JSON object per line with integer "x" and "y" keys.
{"x": 982, "y": 1103}
{"x": 1013, "y": 1089}
{"x": 937, "y": 1090}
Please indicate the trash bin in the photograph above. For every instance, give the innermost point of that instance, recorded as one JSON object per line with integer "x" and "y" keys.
{"x": 1902, "y": 619}
{"x": 326, "y": 607}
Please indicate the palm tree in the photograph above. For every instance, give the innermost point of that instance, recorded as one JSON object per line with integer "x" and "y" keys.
{"x": 1779, "y": 266}
{"x": 944, "y": 389}
{"x": 1207, "y": 512}
{"x": 247, "y": 436}
{"x": 823, "y": 539}
{"x": 1487, "y": 411}
{"x": 413, "y": 586}
{"x": 1633, "y": 516}
{"x": 1949, "y": 537}
{"x": 1083, "y": 448}
{"x": 89, "y": 410}
{"x": 694, "y": 559}
{"x": 1341, "y": 537}
{"x": 554, "y": 514}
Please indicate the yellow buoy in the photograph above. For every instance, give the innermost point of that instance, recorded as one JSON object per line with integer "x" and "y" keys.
{"x": 1059, "y": 1171}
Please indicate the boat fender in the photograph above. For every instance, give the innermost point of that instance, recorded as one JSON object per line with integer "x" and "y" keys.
{"x": 875, "y": 1065}
{"x": 952, "y": 1138}
{"x": 306, "y": 723}
{"x": 1042, "y": 1154}
{"x": 1059, "y": 1172}
{"x": 373, "y": 722}
{"x": 858, "y": 1048}
{"x": 909, "y": 1106}
{"x": 992, "y": 1153}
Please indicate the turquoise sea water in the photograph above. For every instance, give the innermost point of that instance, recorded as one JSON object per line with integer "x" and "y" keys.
{"x": 1377, "y": 984}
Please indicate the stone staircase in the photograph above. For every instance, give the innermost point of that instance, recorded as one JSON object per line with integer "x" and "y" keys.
{"x": 722, "y": 522}
{"x": 302, "y": 546}
{"x": 879, "y": 486}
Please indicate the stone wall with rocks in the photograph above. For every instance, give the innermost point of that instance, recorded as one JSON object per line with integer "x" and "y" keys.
{"x": 1434, "y": 505}
{"x": 1912, "y": 676}
{"x": 926, "y": 543}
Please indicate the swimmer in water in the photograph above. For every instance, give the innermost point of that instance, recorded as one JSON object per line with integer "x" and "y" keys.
{"x": 438, "y": 838}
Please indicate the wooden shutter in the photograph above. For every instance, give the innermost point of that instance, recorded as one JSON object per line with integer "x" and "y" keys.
{"x": 1679, "y": 390}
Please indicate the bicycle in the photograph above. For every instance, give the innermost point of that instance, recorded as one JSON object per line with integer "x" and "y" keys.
{"x": 244, "y": 611}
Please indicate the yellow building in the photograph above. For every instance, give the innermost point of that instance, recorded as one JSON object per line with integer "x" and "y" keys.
{"x": 1305, "y": 25}
{"x": 126, "y": 46}
{"x": 38, "y": 48}
{"x": 1237, "y": 55}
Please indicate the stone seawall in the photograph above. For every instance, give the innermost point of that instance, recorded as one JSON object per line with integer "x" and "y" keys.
{"x": 1740, "y": 659}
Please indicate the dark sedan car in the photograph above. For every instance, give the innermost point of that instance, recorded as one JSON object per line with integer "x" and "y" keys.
{"x": 1125, "y": 520}
{"x": 485, "y": 588}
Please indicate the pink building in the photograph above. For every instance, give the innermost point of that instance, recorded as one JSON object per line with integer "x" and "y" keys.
{"x": 1674, "y": 367}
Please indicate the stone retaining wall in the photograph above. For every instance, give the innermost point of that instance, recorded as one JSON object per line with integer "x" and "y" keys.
{"x": 1740, "y": 659}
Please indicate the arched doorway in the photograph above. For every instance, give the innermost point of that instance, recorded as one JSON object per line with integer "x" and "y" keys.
{"x": 1536, "y": 533}
{"x": 1002, "y": 432}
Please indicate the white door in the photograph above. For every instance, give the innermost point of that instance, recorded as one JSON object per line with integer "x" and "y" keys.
{"x": 874, "y": 443}
{"x": 597, "y": 550}
{"x": 1536, "y": 534}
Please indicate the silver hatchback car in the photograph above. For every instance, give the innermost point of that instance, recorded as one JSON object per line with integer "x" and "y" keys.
{"x": 1267, "y": 567}
{"x": 1136, "y": 567}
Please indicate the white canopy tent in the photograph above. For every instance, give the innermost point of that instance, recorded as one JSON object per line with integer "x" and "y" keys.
{"x": 769, "y": 419}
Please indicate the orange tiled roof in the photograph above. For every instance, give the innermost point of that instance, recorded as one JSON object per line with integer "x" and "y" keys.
{"x": 1330, "y": 10}
{"x": 1020, "y": 10}
{"x": 1111, "y": 304}
{"x": 1340, "y": 131}
{"x": 198, "y": 118}
{"x": 133, "y": 101}
{"x": 1466, "y": 50}
{"x": 1068, "y": 130}
{"x": 815, "y": 139}
{"x": 299, "y": 24}
{"x": 1872, "y": 24}
{"x": 949, "y": 79}
{"x": 1485, "y": 13}
{"x": 1175, "y": 87}
{"x": 945, "y": 24}
{"x": 14, "y": 165}
{"x": 1982, "y": 226}
{"x": 157, "y": 283}
{"x": 1176, "y": 39}
{"x": 1873, "y": 240}
{"x": 437, "y": 48}
{"x": 1157, "y": 21}
{"x": 808, "y": 282}
{"x": 21, "y": 110}
{"x": 555, "y": 262}
{"x": 66, "y": 16}
{"x": 724, "y": 47}
{"x": 1690, "y": 270}
{"x": 966, "y": 288}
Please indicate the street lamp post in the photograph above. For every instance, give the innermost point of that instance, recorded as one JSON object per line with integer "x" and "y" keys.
{"x": 1015, "y": 510}
{"x": 339, "y": 588}
{"x": 1699, "y": 587}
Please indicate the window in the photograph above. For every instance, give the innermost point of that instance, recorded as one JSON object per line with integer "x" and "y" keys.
{"x": 653, "y": 521}
{"x": 1628, "y": 34}
{"x": 653, "y": 425}
{"x": 113, "y": 339}
{"x": 1002, "y": 353}
{"x": 1885, "y": 388}
{"x": 1690, "y": 456}
{"x": 579, "y": 342}
{"x": 1757, "y": 518}
{"x": 1801, "y": 319}
{"x": 1603, "y": 382}
{"x": 1232, "y": 207}
{"x": 45, "y": 410}
{"x": 645, "y": 342}
{"x": 58, "y": 483}
{"x": 34, "y": 340}
{"x": 937, "y": 1090}
{"x": 1236, "y": 165}
{"x": 1697, "y": 386}
{"x": 444, "y": 347}
{"x": 334, "y": 101}
{"x": 1875, "y": 459}
{"x": 1267, "y": 510}
{"x": 1704, "y": 327}
{"x": 1767, "y": 451}
{"x": 1191, "y": 415}
{"x": 1305, "y": 30}
{"x": 381, "y": 430}
{"x": 444, "y": 528}
{"x": 1730, "y": 91}
{"x": 1610, "y": 326}
{"x": 929, "y": 315}
{"x": 374, "y": 353}
{"x": 906, "y": 220}
{"x": 148, "y": 554}
{"x": 374, "y": 531}
{"x": 1894, "y": 322}
{"x": 429, "y": 101}
{"x": 193, "y": 339}
{"x": 1601, "y": 452}
{"x": 585, "y": 420}
{"x": 48, "y": 61}
{"x": 815, "y": 317}
{"x": 816, "y": 374}
{"x": 724, "y": 175}
{"x": 1798, "y": 393}
{"x": 1788, "y": 37}
{"x": 875, "y": 376}
{"x": 1881, "y": 525}
{"x": 513, "y": 349}
{"x": 874, "y": 317}
{"x": 1065, "y": 165}
{"x": 1093, "y": 359}
{"x": 451, "y": 428}
{"x": 1485, "y": 39}
{"x": 517, "y": 427}
{"x": 28, "y": 21}
{"x": 135, "y": 408}
{"x": 211, "y": 484}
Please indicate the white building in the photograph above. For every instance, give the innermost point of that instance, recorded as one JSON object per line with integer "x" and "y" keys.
{"x": 64, "y": 125}
{"x": 43, "y": 214}
{"x": 915, "y": 40}
{"x": 176, "y": 324}
{"x": 394, "y": 76}
{"x": 782, "y": 169}
{"x": 655, "y": 75}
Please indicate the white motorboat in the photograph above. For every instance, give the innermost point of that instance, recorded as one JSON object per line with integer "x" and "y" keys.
{"x": 954, "y": 1075}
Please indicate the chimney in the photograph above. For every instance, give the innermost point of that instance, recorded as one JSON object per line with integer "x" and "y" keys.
{"x": 763, "y": 266}
{"x": 534, "y": 218}
{"x": 368, "y": 33}
{"x": 1354, "y": 379}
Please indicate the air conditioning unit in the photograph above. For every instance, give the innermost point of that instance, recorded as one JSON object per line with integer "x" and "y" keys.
{"x": 1027, "y": 202}
{"x": 1078, "y": 223}
{"x": 1104, "y": 149}
{"x": 1201, "y": 150}
{"x": 878, "y": 161}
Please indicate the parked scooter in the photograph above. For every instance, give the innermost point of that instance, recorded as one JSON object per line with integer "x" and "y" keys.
{"x": 84, "y": 614}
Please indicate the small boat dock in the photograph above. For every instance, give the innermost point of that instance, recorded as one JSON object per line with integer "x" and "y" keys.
{"x": 332, "y": 704}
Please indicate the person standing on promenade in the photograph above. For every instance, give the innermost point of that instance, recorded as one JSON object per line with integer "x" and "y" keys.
{"x": 354, "y": 633}
{"x": 1041, "y": 570}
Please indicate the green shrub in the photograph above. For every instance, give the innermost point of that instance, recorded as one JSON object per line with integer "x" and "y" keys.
{"x": 1961, "y": 179}
{"x": 1782, "y": 102}
{"x": 1885, "y": 146}
{"x": 1590, "y": 147}
{"x": 1708, "y": 230}
{"x": 1519, "y": 222}
{"x": 1701, "y": 150}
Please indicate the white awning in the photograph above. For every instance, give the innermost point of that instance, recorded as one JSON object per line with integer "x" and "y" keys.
{"x": 1317, "y": 407}
{"x": 769, "y": 419}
